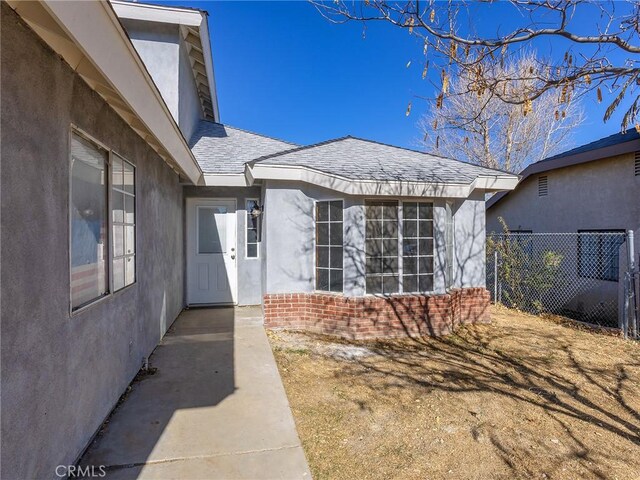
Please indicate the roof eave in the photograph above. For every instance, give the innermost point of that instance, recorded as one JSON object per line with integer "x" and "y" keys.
{"x": 90, "y": 38}
{"x": 262, "y": 171}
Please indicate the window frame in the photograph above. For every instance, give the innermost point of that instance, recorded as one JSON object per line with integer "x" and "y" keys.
{"x": 75, "y": 130}
{"x": 315, "y": 246}
{"x": 112, "y": 255}
{"x": 600, "y": 266}
{"x": 401, "y": 220}
{"x": 400, "y": 201}
{"x": 246, "y": 231}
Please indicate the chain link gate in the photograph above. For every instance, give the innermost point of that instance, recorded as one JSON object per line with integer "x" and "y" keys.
{"x": 575, "y": 275}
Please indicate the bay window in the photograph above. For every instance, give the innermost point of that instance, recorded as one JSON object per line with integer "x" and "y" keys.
{"x": 381, "y": 247}
{"x": 399, "y": 247}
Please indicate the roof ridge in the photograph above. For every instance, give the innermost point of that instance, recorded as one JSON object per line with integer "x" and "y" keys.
{"x": 299, "y": 148}
{"x": 250, "y": 132}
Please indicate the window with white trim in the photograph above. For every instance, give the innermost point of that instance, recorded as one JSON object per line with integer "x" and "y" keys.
{"x": 399, "y": 262}
{"x": 89, "y": 223}
{"x": 123, "y": 217}
{"x": 417, "y": 247}
{"x": 253, "y": 228}
{"x": 329, "y": 246}
{"x": 381, "y": 247}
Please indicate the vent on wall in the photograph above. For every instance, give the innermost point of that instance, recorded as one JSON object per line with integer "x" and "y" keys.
{"x": 543, "y": 186}
{"x": 636, "y": 165}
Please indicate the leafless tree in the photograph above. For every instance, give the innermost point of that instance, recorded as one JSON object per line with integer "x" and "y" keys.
{"x": 480, "y": 128}
{"x": 601, "y": 55}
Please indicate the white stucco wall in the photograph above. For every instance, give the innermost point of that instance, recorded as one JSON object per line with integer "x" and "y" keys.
{"x": 289, "y": 249}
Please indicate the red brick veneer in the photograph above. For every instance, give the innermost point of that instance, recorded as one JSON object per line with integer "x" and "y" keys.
{"x": 375, "y": 317}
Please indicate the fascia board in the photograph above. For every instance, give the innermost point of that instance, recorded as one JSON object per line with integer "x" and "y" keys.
{"x": 157, "y": 13}
{"x": 205, "y": 41}
{"x": 225, "y": 180}
{"x": 358, "y": 187}
{"x": 497, "y": 182}
{"x": 96, "y": 30}
{"x": 371, "y": 187}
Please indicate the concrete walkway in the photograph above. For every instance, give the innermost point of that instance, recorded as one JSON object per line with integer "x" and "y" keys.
{"x": 215, "y": 408}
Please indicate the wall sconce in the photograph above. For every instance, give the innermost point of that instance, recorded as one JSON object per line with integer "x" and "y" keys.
{"x": 256, "y": 210}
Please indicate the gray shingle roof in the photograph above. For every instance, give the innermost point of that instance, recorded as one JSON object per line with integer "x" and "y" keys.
{"x": 219, "y": 148}
{"x": 611, "y": 140}
{"x": 359, "y": 159}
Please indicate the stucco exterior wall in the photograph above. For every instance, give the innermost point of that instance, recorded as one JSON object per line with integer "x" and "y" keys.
{"x": 158, "y": 44}
{"x": 288, "y": 241}
{"x": 469, "y": 258}
{"x": 249, "y": 269}
{"x": 603, "y": 194}
{"x": 164, "y": 53}
{"x": 62, "y": 374}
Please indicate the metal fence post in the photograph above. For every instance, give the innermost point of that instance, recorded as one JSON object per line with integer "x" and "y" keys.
{"x": 495, "y": 277}
{"x": 630, "y": 302}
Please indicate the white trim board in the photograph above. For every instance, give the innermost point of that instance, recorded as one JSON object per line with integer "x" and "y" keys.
{"x": 338, "y": 183}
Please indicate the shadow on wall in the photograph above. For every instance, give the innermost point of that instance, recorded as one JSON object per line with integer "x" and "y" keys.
{"x": 387, "y": 315}
{"x": 195, "y": 369}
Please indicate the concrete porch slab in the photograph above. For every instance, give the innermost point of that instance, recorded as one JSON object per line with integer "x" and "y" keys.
{"x": 215, "y": 408}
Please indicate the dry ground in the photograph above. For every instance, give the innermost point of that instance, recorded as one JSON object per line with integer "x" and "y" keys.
{"x": 523, "y": 397}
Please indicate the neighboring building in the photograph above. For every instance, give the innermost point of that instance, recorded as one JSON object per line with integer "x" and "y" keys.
{"x": 125, "y": 200}
{"x": 594, "y": 189}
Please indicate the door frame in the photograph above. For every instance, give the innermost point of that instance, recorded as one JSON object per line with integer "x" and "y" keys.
{"x": 189, "y": 204}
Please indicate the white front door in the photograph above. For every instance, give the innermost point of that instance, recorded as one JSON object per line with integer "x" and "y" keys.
{"x": 211, "y": 251}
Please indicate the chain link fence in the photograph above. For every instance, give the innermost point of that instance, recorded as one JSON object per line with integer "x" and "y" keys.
{"x": 574, "y": 275}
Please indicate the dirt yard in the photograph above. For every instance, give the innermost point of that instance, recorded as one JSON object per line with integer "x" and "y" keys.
{"x": 523, "y": 397}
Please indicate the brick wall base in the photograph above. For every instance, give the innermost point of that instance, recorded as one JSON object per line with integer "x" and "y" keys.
{"x": 377, "y": 317}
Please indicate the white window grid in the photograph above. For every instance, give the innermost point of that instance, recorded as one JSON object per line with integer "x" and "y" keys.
{"x": 124, "y": 222}
{"x": 393, "y": 263}
{"x": 332, "y": 249}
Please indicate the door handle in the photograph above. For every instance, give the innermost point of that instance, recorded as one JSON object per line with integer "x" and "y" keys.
{"x": 233, "y": 257}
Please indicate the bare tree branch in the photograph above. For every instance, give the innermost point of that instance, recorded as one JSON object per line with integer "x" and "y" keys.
{"x": 482, "y": 129}
{"x": 604, "y": 54}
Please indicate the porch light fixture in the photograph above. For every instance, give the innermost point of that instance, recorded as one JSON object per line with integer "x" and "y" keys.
{"x": 256, "y": 210}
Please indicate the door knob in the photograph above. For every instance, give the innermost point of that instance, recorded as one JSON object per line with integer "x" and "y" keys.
{"x": 233, "y": 257}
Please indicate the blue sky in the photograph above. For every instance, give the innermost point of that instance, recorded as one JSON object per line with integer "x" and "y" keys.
{"x": 283, "y": 70}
